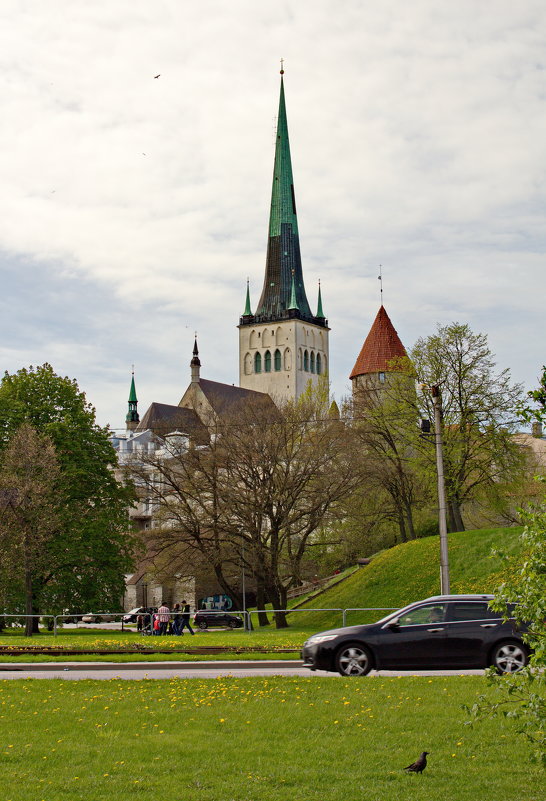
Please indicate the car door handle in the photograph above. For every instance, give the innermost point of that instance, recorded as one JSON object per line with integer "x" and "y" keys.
{"x": 487, "y": 625}
{"x": 434, "y": 630}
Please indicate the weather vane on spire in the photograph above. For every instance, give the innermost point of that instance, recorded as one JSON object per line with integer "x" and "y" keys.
{"x": 282, "y": 66}
{"x": 380, "y": 279}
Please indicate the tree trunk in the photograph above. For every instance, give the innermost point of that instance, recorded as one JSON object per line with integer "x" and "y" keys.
{"x": 275, "y": 597}
{"x": 263, "y": 620}
{"x": 29, "y": 606}
{"x": 455, "y": 520}
{"x": 409, "y": 520}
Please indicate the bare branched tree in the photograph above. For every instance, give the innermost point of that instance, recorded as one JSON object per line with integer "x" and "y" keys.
{"x": 255, "y": 495}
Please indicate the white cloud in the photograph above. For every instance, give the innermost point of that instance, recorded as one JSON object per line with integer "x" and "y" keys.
{"x": 417, "y": 134}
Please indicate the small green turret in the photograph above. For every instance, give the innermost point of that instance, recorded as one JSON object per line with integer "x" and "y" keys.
{"x": 248, "y": 310}
{"x": 132, "y": 419}
{"x": 320, "y": 313}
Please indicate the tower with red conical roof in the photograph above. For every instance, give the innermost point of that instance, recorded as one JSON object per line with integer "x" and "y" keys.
{"x": 380, "y": 355}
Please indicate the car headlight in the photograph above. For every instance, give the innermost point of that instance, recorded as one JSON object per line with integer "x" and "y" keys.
{"x": 317, "y": 638}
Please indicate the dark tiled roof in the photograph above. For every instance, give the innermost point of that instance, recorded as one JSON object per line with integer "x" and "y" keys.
{"x": 162, "y": 419}
{"x": 223, "y": 397}
{"x": 380, "y": 347}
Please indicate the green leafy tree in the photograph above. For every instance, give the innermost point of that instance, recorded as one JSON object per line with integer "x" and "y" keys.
{"x": 385, "y": 427}
{"x": 522, "y": 696}
{"x": 90, "y": 550}
{"x": 479, "y": 414}
{"x": 29, "y": 505}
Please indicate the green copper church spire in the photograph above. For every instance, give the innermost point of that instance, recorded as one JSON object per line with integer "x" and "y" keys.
{"x": 132, "y": 419}
{"x": 320, "y": 313}
{"x": 248, "y": 309}
{"x": 283, "y": 270}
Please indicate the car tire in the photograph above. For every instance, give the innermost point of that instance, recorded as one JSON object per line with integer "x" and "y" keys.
{"x": 203, "y": 625}
{"x": 509, "y": 656}
{"x": 353, "y": 659}
{"x": 233, "y": 624}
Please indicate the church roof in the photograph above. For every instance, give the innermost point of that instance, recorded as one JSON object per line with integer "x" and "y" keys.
{"x": 224, "y": 397}
{"x": 162, "y": 418}
{"x": 380, "y": 347}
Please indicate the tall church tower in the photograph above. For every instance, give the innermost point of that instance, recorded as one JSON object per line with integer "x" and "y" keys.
{"x": 282, "y": 345}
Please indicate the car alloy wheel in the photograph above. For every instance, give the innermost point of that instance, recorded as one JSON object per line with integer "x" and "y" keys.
{"x": 233, "y": 624}
{"x": 353, "y": 660}
{"x": 203, "y": 624}
{"x": 509, "y": 657}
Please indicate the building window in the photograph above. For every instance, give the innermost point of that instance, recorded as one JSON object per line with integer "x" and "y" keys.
{"x": 306, "y": 361}
{"x": 381, "y": 378}
{"x": 267, "y": 361}
{"x": 312, "y": 361}
{"x": 258, "y": 362}
{"x": 277, "y": 360}
{"x": 319, "y": 365}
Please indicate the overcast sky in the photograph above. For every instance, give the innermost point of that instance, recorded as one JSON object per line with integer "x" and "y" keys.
{"x": 133, "y": 208}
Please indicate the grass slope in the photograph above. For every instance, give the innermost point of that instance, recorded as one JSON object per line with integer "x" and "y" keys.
{"x": 411, "y": 571}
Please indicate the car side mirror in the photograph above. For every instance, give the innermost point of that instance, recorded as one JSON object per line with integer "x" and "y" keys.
{"x": 394, "y": 625}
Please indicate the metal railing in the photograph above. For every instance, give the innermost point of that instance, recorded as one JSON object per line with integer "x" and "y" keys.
{"x": 247, "y": 615}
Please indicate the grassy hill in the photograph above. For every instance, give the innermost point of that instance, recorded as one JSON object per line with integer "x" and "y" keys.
{"x": 411, "y": 571}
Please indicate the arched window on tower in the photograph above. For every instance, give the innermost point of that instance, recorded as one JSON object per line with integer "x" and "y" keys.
{"x": 306, "y": 361}
{"x": 319, "y": 364}
{"x": 267, "y": 361}
{"x": 277, "y": 359}
{"x": 312, "y": 361}
{"x": 258, "y": 362}
{"x": 248, "y": 364}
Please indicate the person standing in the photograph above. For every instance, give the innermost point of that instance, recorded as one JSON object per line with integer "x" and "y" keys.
{"x": 177, "y": 619}
{"x": 186, "y": 618}
{"x": 163, "y": 614}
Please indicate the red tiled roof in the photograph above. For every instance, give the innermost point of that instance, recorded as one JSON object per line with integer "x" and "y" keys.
{"x": 380, "y": 347}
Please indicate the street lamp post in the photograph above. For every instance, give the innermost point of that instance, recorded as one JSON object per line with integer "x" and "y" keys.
{"x": 444, "y": 557}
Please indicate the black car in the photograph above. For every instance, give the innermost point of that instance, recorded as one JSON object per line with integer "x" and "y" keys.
{"x": 443, "y": 632}
{"x": 209, "y": 617}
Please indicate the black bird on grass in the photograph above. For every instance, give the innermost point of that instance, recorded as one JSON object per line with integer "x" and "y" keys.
{"x": 419, "y": 765}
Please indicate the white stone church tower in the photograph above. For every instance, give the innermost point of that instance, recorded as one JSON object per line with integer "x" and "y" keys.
{"x": 282, "y": 345}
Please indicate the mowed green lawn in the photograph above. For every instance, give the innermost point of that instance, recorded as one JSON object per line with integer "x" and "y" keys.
{"x": 279, "y": 739}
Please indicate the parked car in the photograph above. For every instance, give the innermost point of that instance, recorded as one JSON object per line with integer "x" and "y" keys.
{"x": 132, "y": 615}
{"x": 209, "y": 617}
{"x": 98, "y": 617}
{"x": 442, "y": 632}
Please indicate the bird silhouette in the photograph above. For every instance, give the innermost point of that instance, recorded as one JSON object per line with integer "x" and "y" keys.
{"x": 419, "y": 765}
{"x": 157, "y": 76}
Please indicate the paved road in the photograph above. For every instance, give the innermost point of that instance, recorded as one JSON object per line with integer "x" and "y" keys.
{"x": 184, "y": 670}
